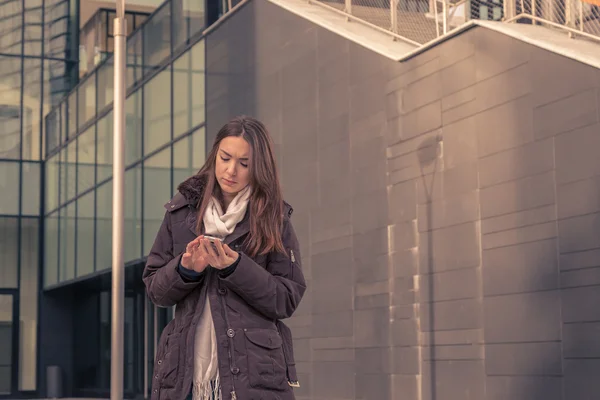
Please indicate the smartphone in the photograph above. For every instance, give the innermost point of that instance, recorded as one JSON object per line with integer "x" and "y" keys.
{"x": 213, "y": 239}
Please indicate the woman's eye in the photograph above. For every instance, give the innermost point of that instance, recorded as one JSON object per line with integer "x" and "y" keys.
{"x": 244, "y": 165}
{"x": 224, "y": 159}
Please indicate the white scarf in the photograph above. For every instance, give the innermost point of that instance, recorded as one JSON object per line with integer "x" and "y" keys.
{"x": 206, "y": 366}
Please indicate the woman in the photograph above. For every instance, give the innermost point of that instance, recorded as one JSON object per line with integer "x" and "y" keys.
{"x": 227, "y": 340}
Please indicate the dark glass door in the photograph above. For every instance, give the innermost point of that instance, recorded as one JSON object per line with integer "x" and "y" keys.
{"x": 7, "y": 343}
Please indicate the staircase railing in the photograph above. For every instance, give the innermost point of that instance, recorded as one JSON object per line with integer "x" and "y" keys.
{"x": 421, "y": 21}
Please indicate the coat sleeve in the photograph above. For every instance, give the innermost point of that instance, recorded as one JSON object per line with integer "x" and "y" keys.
{"x": 274, "y": 291}
{"x": 164, "y": 284}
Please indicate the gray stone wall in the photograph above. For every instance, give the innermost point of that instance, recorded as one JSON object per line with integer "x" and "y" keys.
{"x": 448, "y": 208}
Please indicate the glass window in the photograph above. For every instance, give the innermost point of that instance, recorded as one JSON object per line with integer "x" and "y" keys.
{"x": 9, "y": 247}
{"x": 104, "y": 226}
{"x": 134, "y": 58}
{"x": 86, "y": 165}
{"x": 9, "y": 187}
{"x": 157, "y": 191}
{"x": 56, "y": 81}
{"x": 188, "y": 81}
{"x": 63, "y": 122}
{"x": 6, "y": 359}
{"x": 157, "y": 38}
{"x": 52, "y": 130}
{"x": 30, "y": 197}
{"x": 133, "y": 128}
{"x": 32, "y": 95}
{"x": 85, "y": 234}
{"x": 67, "y": 242}
{"x": 87, "y": 100}
{"x": 189, "y": 154}
{"x": 71, "y": 174}
{"x": 52, "y": 184}
{"x": 12, "y": 21}
{"x": 51, "y": 249}
{"x": 105, "y": 147}
{"x": 105, "y": 84}
{"x": 10, "y": 113}
{"x": 56, "y": 28}
{"x": 72, "y": 115}
{"x": 63, "y": 176}
{"x": 28, "y": 295}
{"x": 157, "y": 111}
{"x": 188, "y": 18}
{"x": 133, "y": 214}
{"x": 33, "y": 28}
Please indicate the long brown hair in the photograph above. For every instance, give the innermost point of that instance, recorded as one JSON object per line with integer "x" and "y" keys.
{"x": 266, "y": 200}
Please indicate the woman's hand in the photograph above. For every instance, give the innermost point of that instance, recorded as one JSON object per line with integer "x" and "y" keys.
{"x": 195, "y": 258}
{"x": 219, "y": 256}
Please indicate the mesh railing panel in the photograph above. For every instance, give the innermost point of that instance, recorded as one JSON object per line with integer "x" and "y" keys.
{"x": 421, "y": 21}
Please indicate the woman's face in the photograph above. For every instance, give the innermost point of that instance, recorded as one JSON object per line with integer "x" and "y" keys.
{"x": 232, "y": 165}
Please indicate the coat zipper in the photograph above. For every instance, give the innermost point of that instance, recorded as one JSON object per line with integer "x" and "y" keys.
{"x": 292, "y": 256}
{"x": 231, "y": 345}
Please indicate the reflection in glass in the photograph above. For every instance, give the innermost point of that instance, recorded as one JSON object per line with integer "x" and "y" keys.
{"x": 188, "y": 78}
{"x": 157, "y": 191}
{"x": 67, "y": 242}
{"x": 30, "y": 198}
{"x": 85, "y": 234}
{"x": 28, "y": 310}
{"x": 104, "y": 226}
{"x": 105, "y": 84}
{"x": 57, "y": 82}
{"x": 157, "y": 111}
{"x": 87, "y": 100}
{"x": 133, "y": 214}
{"x": 52, "y": 171}
{"x": 105, "y": 147}
{"x": 63, "y": 176}
{"x": 57, "y": 28}
{"x": 133, "y": 128}
{"x": 33, "y": 28}
{"x": 188, "y": 156}
{"x": 71, "y": 171}
{"x": 9, "y": 247}
{"x": 32, "y": 95}
{"x": 6, "y": 340}
{"x": 51, "y": 250}
{"x": 10, "y": 29}
{"x": 10, "y": 109}
{"x": 134, "y": 58}
{"x": 157, "y": 38}
{"x": 86, "y": 153}
{"x": 63, "y": 122}
{"x": 9, "y": 187}
{"x": 52, "y": 136}
{"x": 188, "y": 18}
{"x": 72, "y": 115}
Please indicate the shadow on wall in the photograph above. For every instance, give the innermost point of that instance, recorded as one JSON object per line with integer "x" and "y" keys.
{"x": 428, "y": 154}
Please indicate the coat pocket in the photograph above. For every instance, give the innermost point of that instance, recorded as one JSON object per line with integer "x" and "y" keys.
{"x": 266, "y": 363}
{"x": 169, "y": 364}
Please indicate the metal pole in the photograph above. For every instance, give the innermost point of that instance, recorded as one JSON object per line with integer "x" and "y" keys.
{"x": 118, "y": 265}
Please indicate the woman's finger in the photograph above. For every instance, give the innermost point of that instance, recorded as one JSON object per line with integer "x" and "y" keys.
{"x": 230, "y": 253}
{"x": 186, "y": 258}
{"x": 209, "y": 251}
{"x": 221, "y": 253}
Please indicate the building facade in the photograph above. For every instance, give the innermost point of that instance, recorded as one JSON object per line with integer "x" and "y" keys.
{"x": 38, "y": 60}
{"x": 446, "y": 205}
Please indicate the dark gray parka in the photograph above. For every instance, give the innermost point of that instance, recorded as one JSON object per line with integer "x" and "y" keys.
{"x": 255, "y": 349}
